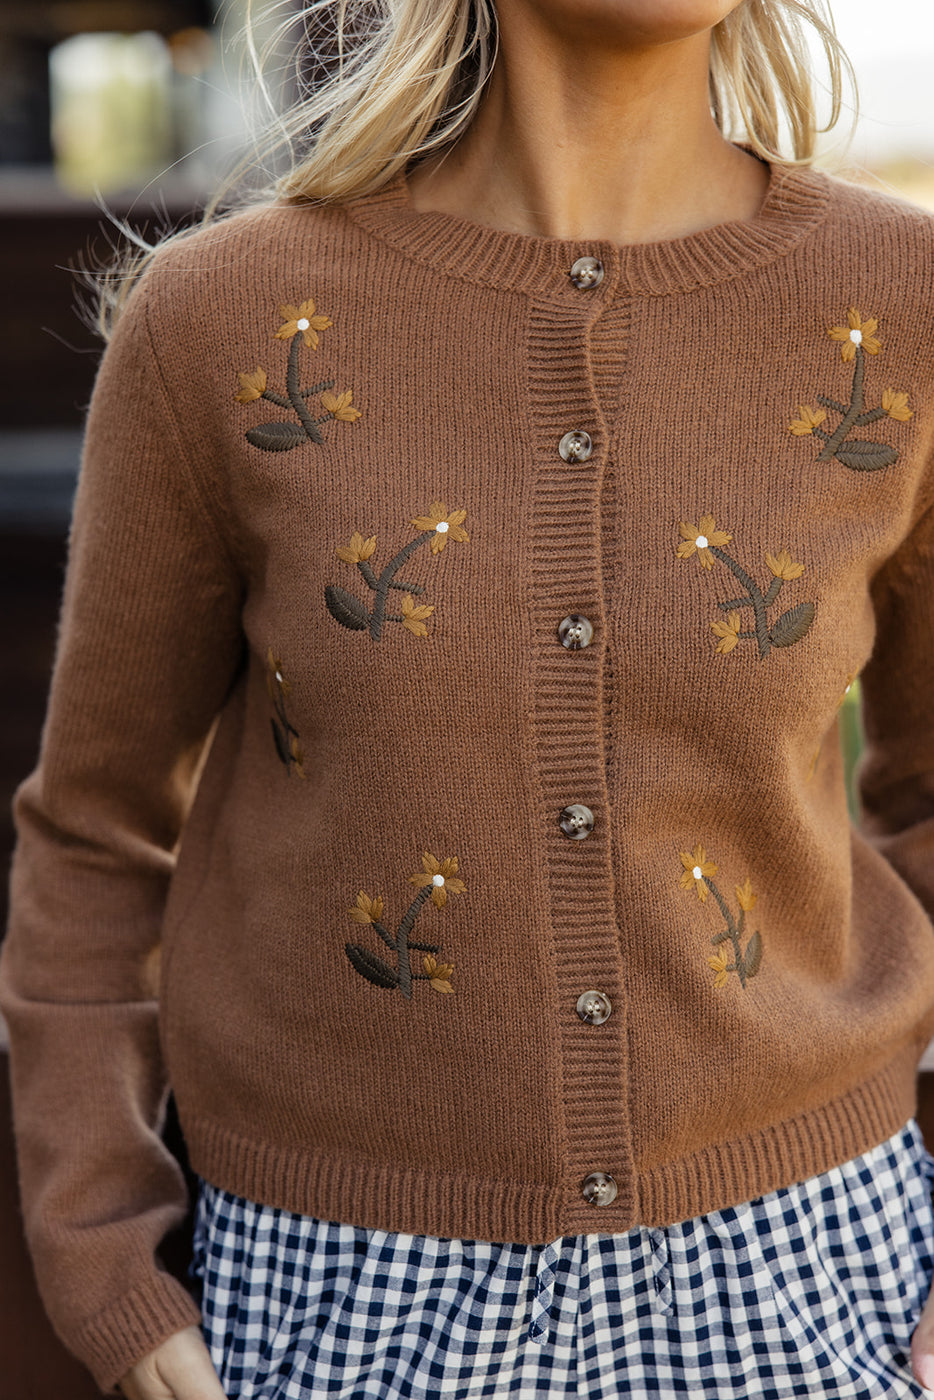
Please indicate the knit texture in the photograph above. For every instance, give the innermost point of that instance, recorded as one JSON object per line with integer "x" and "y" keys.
{"x": 330, "y": 830}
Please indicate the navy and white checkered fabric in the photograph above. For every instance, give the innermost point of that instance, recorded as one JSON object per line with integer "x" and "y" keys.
{"x": 813, "y": 1290}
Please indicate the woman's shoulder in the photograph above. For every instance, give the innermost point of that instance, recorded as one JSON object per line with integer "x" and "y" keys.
{"x": 874, "y": 216}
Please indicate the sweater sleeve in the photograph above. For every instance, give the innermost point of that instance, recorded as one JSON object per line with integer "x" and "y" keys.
{"x": 895, "y": 774}
{"x": 149, "y": 643}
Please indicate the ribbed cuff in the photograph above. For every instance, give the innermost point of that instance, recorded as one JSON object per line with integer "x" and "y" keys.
{"x": 132, "y": 1327}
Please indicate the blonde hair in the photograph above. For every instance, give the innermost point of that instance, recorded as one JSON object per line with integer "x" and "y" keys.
{"x": 377, "y": 84}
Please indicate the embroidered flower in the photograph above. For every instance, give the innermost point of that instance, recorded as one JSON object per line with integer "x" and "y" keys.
{"x": 438, "y": 874}
{"x": 437, "y": 879}
{"x": 358, "y": 549}
{"x": 896, "y": 405}
{"x": 856, "y": 332}
{"x": 445, "y": 525}
{"x": 697, "y": 539}
{"x": 340, "y": 406}
{"x": 275, "y": 682}
{"x": 746, "y": 962}
{"x": 720, "y": 963}
{"x": 252, "y": 386}
{"x": 807, "y": 420}
{"x": 696, "y": 866}
{"x": 366, "y": 910}
{"x": 302, "y": 318}
{"x": 728, "y": 632}
{"x": 747, "y": 900}
{"x": 439, "y": 973}
{"x": 413, "y": 615}
{"x": 781, "y": 565}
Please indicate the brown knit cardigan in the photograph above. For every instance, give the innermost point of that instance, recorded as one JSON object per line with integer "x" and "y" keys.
{"x": 451, "y": 648}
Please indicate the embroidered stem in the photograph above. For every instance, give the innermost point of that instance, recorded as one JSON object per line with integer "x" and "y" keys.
{"x": 755, "y": 599}
{"x": 366, "y": 570}
{"x": 852, "y": 413}
{"x": 402, "y": 940}
{"x": 295, "y": 392}
{"x": 732, "y": 930}
{"x": 383, "y": 583}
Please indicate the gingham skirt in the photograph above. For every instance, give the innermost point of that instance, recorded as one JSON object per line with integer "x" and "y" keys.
{"x": 811, "y": 1290}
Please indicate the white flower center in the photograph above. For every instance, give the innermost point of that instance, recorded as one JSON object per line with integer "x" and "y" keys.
{"x": 441, "y": 527}
{"x": 697, "y": 872}
{"x": 303, "y": 323}
{"x": 701, "y": 542}
{"x": 278, "y": 675}
{"x": 856, "y": 337}
{"x": 437, "y": 879}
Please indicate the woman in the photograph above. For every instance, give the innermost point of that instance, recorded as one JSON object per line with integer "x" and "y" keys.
{"x": 660, "y": 405}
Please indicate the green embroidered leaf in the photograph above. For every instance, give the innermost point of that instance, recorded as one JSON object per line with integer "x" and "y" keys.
{"x": 719, "y": 937}
{"x": 753, "y": 955}
{"x": 276, "y": 437}
{"x": 282, "y": 746}
{"x": 866, "y": 456}
{"x": 371, "y": 967}
{"x": 792, "y": 625}
{"x": 348, "y": 610}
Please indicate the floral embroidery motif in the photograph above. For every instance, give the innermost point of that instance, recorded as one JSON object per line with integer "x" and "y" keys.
{"x": 301, "y": 325}
{"x": 813, "y": 766}
{"x": 435, "y": 881}
{"x": 285, "y": 734}
{"x": 438, "y": 527}
{"x": 706, "y": 542}
{"x": 857, "y": 339}
{"x": 698, "y": 872}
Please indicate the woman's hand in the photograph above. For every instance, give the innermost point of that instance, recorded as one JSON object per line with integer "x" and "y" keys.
{"x": 922, "y": 1345}
{"x": 179, "y": 1369}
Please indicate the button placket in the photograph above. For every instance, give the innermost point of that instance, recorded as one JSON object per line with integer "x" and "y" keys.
{"x": 566, "y": 567}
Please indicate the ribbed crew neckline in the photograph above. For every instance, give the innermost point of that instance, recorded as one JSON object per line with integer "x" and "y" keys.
{"x": 796, "y": 201}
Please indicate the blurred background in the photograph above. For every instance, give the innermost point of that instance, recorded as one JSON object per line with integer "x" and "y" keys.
{"x": 140, "y": 106}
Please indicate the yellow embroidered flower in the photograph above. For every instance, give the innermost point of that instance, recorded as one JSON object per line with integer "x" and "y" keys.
{"x": 302, "y": 318}
{"x": 443, "y": 523}
{"x": 896, "y": 405}
{"x": 366, "y": 910}
{"x": 439, "y": 973}
{"x": 340, "y": 405}
{"x": 719, "y": 965}
{"x": 413, "y": 615}
{"x": 439, "y": 875}
{"x": 807, "y": 420}
{"x": 252, "y": 385}
{"x": 856, "y": 332}
{"x": 728, "y": 632}
{"x": 275, "y": 681}
{"x": 781, "y": 565}
{"x": 696, "y": 866}
{"x": 358, "y": 549}
{"x": 747, "y": 900}
{"x": 698, "y": 539}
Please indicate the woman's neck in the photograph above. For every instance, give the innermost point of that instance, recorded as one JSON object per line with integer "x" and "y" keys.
{"x": 574, "y": 141}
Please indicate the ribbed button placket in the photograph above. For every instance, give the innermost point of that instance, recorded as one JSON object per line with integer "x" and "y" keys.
{"x": 570, "y": 758}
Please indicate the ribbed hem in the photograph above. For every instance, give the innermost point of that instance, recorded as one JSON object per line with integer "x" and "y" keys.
{"x": 136, "y": 1324}
{"x": 378, "y": 1196}
{"x": 797, "y": 199}
{"x": 796, "y": 1148}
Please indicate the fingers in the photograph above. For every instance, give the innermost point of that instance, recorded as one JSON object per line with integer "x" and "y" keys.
{"x": 922, "y": 1345}
{"x": 180, "y": 1369}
